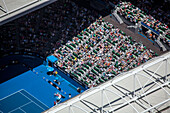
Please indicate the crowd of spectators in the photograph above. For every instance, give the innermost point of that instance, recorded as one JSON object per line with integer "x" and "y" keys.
{"x": 130, "y": 12}
{"x": 97, "y": 52}
{"x": 159, "y": 9}
{"x": 154, "y": 14}
{"x": 135, "y": 15}
{"x": 100, "y": 52}
{"x": 45, "y": 30}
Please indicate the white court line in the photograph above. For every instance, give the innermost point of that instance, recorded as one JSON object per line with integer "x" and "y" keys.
{"x": 32, "y": 101}
{"x": 19, "y": 107}
{"x": 10, "y": 94}
{"x": 36, "y": 99}
{"x": 22, "y": 110}
{"x": 19, "y": 91}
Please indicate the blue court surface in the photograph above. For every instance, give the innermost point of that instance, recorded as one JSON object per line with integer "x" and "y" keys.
{"x": 32, "y": 90}
{"x": 21, "y": 102}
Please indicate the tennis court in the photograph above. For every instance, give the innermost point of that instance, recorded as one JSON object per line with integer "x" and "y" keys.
{"x": 36, "y": 90}
{"x": 21, "y": 102}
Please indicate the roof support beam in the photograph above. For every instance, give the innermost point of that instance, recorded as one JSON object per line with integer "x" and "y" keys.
{"x": 156, "y": 83}
{"x": 123, "y": 99}
{"x": 156, "y": 106}
{"x": 80, "y": 108}
{"x": 143, "y": 91}
{"x": 141, "y": 96}
{"x": 6, "y": 9}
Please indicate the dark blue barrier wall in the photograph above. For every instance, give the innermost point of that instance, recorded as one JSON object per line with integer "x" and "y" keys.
{"x": 150, "y": 28}
{"x": 15, "y": 63}
{"x": 70, "y": 79}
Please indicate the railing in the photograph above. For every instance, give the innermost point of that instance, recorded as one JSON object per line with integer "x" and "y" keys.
{"x": 70, "y": 76}
{"x": 24, "y": 53}
{"x": 117, "y": 16}
{"x": 161, "y": 45}
{"x": 156, "y": 32}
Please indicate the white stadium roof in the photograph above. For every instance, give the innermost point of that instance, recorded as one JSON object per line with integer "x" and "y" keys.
{"x": 12, "y": 9}
{"x": 143, "y": 89}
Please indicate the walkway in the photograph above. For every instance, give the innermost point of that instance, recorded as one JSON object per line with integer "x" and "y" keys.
{"x": 134, "y": 36}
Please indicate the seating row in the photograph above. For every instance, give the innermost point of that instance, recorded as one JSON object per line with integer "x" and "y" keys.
{"x": 101, "y": 52}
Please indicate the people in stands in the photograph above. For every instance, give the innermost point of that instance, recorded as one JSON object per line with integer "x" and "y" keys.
{"x": 46, "y": 29}
{"x": 100, "y": 51}
{"x": 134, "y": 14}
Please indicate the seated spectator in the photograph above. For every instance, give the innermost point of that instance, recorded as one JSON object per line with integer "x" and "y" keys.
{"x": 99, "y": 53}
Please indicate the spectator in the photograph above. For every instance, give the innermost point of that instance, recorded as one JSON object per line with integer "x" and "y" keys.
{"x": 45, "y": 30}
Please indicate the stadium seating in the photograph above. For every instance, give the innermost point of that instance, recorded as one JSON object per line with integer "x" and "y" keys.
{"x": 130, "y": 12}
{"x": 99, "y": 53}
{"x": 135, "y": 15}
{"x": 166, "y": 39}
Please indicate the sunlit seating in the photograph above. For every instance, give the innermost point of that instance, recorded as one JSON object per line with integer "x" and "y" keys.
{"x": 99, "y": 53}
